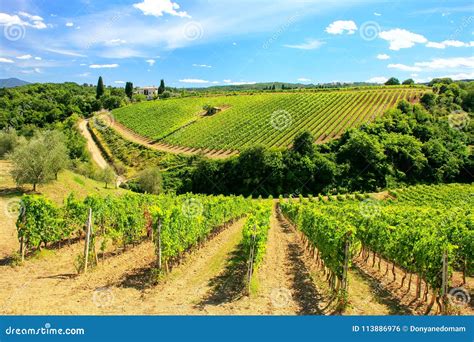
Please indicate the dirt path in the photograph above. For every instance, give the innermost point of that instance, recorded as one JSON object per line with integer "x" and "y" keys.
{"x": 128, "y": 134}
{"x": 92, "y": 146}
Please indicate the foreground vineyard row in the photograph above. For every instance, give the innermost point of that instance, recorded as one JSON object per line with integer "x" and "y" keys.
{"x": 418, "y": 233}
{"x": 271, "y": 120}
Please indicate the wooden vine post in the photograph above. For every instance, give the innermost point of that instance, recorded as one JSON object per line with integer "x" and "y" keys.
{"x": 88, "y": 237}
{"x": 158, "y": 242}
{"x": 346, "y": 263}
{"x": 22, "y": 240}
{"x": 251, "y": 257}
{"x": 444, "y": 285}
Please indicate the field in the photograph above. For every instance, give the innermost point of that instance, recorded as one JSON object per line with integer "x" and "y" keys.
{"x": 271, "y": 119}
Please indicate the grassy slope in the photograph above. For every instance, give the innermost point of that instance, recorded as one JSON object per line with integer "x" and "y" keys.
{"x": 248, "y": 120}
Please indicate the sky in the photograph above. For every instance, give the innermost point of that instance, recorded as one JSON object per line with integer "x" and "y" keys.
{"x": 199, "y": 43}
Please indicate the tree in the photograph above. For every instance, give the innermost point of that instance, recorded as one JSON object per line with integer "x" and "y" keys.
{"x": 304, "y": 144}
{"x": 408, "y": 81}
{"x": 100, "y": 88}
{"x": 129, "y": 89}
{"x": 38, "y": 160}
{"x": 392, "y": 81}
{"x": 8, "y": 141}
{"x": 428, "y": 100}
{"x": 150, "y": 181}
{"x": 107, "y": 175}
{"x": 161, "y": 88}
{"x": 58, "y": 157}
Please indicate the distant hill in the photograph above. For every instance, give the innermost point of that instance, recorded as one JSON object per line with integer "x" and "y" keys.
{"x": 12, "y": 82}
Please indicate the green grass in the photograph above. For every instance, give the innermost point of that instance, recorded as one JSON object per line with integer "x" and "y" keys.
{"x": 268, "y": 119}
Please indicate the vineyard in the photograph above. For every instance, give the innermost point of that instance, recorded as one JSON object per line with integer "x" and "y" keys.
{"x": 420, "y": 238}
{"x": 271, "y": 120}
{"x": 423, "y": 231}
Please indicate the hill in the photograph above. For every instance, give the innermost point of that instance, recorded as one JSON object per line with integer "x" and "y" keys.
{"x": 268, "y": 119}
{"x": 12, "y": 82}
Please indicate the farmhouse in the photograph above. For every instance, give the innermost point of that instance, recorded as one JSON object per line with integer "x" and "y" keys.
{"x": 149, "y": 92}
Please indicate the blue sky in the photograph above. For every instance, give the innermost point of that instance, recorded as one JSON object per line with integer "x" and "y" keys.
{"x": 211, "y": 42}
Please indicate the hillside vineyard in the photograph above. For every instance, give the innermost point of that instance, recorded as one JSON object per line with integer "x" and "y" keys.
{"x": 270, "y": 119}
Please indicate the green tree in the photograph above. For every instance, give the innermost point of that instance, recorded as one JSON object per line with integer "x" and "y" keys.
{"x": 409, "y": 81}
{"x": 150, "y": 180}
{"x": 161, "y": 88}
{"x": 38, "y": 160}
{"x": 100, "y": 88}
{"x": 107, "y": 175}
{"x": 129, "y": 89}
{"x": 392, "y": 81}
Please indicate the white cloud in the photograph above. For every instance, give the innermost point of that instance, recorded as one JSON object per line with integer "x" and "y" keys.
{"x": 65, "y": 52}
{"x": 115, "y": 42}
{"x": 69, "y": 24}
{"x": 377, "y": 14}
{"x": 193, "y": 80}
{"x": 103, "y": 66}
{"x": 383, "y": 56}
{"x": 303, "y": 79}
{"x": 448, "y": 63}
{"x": 24, "y": 57}
{"x": 150, "y": 62}
{"x": 448, "y": 43}
{"x": 401, "y": 38}
{"x": 38, "y": 58}
{"x": 33, "y": 21}
{"x": 461, "y": 76}
{"x": 5, "y": 60}
{"x": 202, "y": 66}
{"x": 377, "y": 79}
{"x": 227, "y": 81}
{"x": 119, "y": 82}
{"x": 234, "y": 43}
{"x": 158, "y": 7}
{"x": 340, "y": 26}
{"x": 414, "y": 75}
{"x": 404, "y": 67}
{"x": 85, "y": 74}
{"x": 310, "y": 44}
{"x": 38, "y": 70}
{"x": 82, "y": 64}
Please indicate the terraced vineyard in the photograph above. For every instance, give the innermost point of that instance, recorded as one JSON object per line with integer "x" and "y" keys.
{"x": 271, "y": 120}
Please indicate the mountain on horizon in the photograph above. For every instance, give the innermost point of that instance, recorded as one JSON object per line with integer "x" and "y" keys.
{"x": 12, "y": 82}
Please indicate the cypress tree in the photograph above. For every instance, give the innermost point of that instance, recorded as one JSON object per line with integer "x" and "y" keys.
{"x": 100, "y": 88}
{"x": 129, "y": 89}
{"x": 161, "y": 88}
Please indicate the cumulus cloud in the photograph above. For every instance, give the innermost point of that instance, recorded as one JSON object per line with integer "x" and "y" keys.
{"x": 341, "y": 26}
{"x": 103, "y": 66}
{"x": 303, "y": 79}
{"x": 404, "y": 67}
{"x": 69, "y": 24}
{"x": 310, "y": 44}
{"x": 401, "y": 38}
{"x": 202, "y": 66}
{"x": 29, "y": 20}
{"x": 159, "y": 7}
{"x": 383, "y": 56}
{"x": 449, "y": 43}
{"x": 5, "y": 60}
{"x": 377, "y": 14}
{"x": 24, "y": 57}
{"x": 193, "y": 80}
{"x": 150, "y": 62}
{"x": 448, "y": 63}
{"x": 377, "y": 79}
